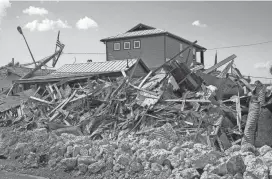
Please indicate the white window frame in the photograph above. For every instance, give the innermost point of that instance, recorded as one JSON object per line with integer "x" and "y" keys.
{"x": 114, "y": 47}
{"x": 125, "y": 45}
{"x": 180, "y": 49}
{"x": 136, "y": 42}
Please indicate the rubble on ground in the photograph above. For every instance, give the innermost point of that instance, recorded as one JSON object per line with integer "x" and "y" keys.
{"x": 170, "y": 124}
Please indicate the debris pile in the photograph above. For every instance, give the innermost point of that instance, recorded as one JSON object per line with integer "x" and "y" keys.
{"x": 168, "y": 124}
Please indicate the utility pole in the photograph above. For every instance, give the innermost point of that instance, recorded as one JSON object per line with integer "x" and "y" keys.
{"x": 21, "y": 32}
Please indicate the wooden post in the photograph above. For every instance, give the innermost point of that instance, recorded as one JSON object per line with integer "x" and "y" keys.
{"x": 202, "y": 57}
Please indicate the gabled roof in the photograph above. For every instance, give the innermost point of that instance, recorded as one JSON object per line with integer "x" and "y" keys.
{"x": 140, "y": 26}
{"x": 21, "y": 71}
{"x": 88, "y": 69}
{"x": 147, "y": 31}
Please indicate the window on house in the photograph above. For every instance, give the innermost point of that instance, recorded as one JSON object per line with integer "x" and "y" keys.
{"x": 126, "y": 45}
{"x": 137, "y": 44}
{"x": 116, "y": 46}
{"x": 180, "y": 49}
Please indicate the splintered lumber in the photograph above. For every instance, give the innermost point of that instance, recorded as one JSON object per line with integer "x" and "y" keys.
{"x": 221, "y": 63}
{"x": 188, "y": 100}
{"x": 144, "y": 80}
{"x": 51, "y": 91}
{"x": 62, "y": 105}
{"x": 196, "y": 68}
{"x": 69, "y": 130}
{"x": 40, "y": 100}
{"x": 144, "y": 90}
{"x": 174, "y": 57}
{"x": 37, "y": 91}
{"x": 183, "y": 76}
{"x": 238, "y": 113}
{"x": 58, "y": 91}
{"x": 161, "y": 66}
{"x": 57, "y": 107}
{"x": 44, "y": 62}
{"x": 56, "y": 114}
{"x": 124, "y": 73}
{"x": 183, "y": 102}
{"x": 106, "y": 99}
{"x": 225, "y": 71}
{"x": 218, "y": 125}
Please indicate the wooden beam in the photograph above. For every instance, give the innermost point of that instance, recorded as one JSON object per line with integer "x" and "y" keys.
{"x": 40, "y": 100}
{"x": 220, "y": 64}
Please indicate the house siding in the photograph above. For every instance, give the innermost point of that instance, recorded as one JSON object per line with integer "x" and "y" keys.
{"x": 151, "y": 51}
{"x": 173, "y": 48}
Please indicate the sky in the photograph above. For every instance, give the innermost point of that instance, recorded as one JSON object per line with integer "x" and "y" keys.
{"x": 83, "y": 24}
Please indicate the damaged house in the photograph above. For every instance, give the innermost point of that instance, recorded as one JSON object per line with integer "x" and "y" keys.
{"x": 82, "y": 71}
{"x": 154, "y": 46}
{"x": 12, "y": 72}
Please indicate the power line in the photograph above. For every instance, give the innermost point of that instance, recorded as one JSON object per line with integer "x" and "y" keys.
{"x": 245, "y": 45}
{"x": 84, "y": 53}
{"x": 259, "y": 77}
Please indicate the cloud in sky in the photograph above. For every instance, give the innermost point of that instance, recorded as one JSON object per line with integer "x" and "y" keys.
{"x": 263, "y": 65}
{"x": 35, "y": 11}
{"x": 46, "y": 25}
{"x": 86, "y": 23}
{"x": 198, "y": 24}
{"x": 4, "y": 4}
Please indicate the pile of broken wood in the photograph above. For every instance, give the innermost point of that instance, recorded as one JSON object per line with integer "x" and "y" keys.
{"x": 115, "y": 108}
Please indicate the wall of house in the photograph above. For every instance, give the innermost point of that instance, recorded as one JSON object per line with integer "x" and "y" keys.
{"x": 173, "y": 47}
{"x": 6, "y": 81}
{"x": 151, "y": 51}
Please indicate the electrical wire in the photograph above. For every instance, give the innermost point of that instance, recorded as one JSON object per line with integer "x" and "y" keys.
{"x": 245, "y": 45}
{"x": 84, "y": 53}
{"x": 258, "y": 77}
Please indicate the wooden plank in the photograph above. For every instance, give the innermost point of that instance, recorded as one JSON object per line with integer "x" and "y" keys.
{"x": 64, "y": 102}
{"x": 49, "y": 91}
{"x": 225, "y": 71}
{"x": 40, "y": 100}
{"x": 37, "y": 91}
{"x": 58, "y": 91}
{"x": 124, "y": 73}
{"x": 238, "y": 112}
{"x": 144, "y": 90}
{"x": 144, "y": 80}
{"x": 52, "y": 91}
{"x": 188, "y": 100}
{"x": 221, "y": 63}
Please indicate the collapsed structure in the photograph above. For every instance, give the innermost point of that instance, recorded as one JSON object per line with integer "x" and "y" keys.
{"x": 115, "y": 100}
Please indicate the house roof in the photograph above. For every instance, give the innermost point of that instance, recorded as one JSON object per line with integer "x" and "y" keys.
{"x": 21, "y": 71}
{"x": 148, "y": 31}
{"x": 141, "y": 26}
{"x": 85, "y": 69}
